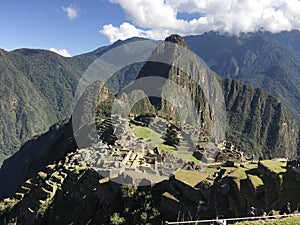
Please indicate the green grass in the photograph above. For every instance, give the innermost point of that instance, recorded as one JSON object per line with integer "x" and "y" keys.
{"x": 151, "y": 137}
{"x": 196, "y": 161}
{"x": 166, "y": 148}
{"x": 154, "y": 139}
{"x": 211, "y": 170}
{"x": 250, "y": 165}
{"x": 141, "y": 132}
{"x": 191, "y": 178}
{"x": 238, "y": 174}
{"x": 185, "y": 155}
{"x": 284, "y": 221}
{"x": 274, "y": 166}
{"x": 255, "y": 180}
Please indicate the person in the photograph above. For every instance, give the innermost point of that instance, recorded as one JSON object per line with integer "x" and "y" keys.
{"x": 251, "y": 212}
{"x": 286, "y": 209}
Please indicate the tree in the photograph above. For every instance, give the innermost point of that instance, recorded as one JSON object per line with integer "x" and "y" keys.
{"x": 116, "y": 219}
{"x": 171, "y": 137}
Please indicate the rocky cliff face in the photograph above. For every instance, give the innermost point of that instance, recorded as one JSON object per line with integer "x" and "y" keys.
{"x": 262, "y": 59}
{"x": 258, "y": 122}
{"x": 35, "y": 154}
{"x": 179, "y": 79}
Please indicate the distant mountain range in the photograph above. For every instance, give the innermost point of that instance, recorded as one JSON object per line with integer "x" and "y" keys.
{"x": 262, "y": 59}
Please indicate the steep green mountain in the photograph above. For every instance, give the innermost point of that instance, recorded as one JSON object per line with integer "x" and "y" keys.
{"x": 36, "y": 89}
{"x": 258, "y": 122}
{"x": 264, "y": 60}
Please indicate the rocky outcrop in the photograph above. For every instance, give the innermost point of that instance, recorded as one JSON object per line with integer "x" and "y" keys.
{"x": 262, "y": 59}
{"x": 62, "y": 193}
{"x": 38, "y": 152}
{"x": 257, "y": 122}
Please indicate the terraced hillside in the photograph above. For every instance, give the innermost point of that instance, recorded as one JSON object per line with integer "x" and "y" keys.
{"x": 64, "y": 191}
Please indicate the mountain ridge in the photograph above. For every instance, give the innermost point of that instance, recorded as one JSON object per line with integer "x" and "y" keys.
{"x": 56, "y": 104}
{"x": 265, "y": 60}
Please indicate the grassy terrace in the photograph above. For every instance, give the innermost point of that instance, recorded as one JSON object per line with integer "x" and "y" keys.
{"x": 255, "y": 180}
{"x": 238, "y": 174}
{"x": 274, "y": 166}
{"x": 283, "y": 221}
{"x": 191, "y": 178}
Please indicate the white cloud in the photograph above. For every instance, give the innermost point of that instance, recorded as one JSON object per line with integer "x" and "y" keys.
{"x": 158, "y": 18}
{"x": 72, "y": 12}
{"x": 124, "y": 31}
{"x": 62, "y": 52}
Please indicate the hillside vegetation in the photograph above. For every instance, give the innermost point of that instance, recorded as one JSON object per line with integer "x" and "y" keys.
{"x": 283, "y": 221}
{"x": 262, "y": 59}
{"x": 36, "y": 91}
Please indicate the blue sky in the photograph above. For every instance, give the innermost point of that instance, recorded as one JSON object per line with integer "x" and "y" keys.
{"x": 71, "y": 27}
{"x": 44, "y": 24}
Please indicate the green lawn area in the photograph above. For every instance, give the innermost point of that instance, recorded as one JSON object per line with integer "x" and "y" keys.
{"x": 142, "y": 132}
{"x": 196, "y": 161}
{"x": 152, "y": 138}
{"x": 274, "y": 166}
{"x": 185, "y": 155}
{"x": 250, "y": 165}
{"x": 166, "y": 148}
{"x": 189, "y": 177}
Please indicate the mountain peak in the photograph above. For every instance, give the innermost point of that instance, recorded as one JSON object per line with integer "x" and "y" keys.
{"x": 177, "y": 39}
